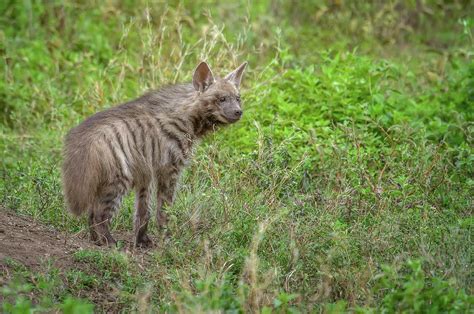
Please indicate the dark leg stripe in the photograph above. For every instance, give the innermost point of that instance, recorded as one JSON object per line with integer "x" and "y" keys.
{"x": 179, "y": 127}
{"x": 109, "y": 203}
{"x": 197, "y": 124}
{"x": 125, "y": 180}
{"x": 183, "y": 122}
{"x": 109, "y": 197}
{"x": 185, "y": 133}
{"x": 176, "y": 160}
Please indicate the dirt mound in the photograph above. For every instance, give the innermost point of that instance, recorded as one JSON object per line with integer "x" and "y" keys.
{"x": 30, "y": 243}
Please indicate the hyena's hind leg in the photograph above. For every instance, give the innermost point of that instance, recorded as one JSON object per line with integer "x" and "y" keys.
{"x": 93, "y": 233}
{"x": 142, "y": 217}
{"x": 101, "y": 216}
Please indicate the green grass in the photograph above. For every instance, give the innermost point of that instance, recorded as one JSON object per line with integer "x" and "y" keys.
{"x": 347, "y": 186}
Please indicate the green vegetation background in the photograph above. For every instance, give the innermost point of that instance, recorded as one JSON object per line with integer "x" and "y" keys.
{"x": 347, "y": 185}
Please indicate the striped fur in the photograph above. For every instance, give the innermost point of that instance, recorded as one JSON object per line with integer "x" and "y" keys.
{"x": 143, "y": 145}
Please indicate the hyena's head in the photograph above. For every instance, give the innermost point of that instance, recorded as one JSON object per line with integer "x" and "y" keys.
{"x": 219, "y": 97}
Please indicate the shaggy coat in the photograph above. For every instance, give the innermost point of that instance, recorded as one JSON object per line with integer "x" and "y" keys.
{"x": 142, "y": 145}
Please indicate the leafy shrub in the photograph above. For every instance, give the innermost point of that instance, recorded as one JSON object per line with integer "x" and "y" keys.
{"x": 415, "y": 292}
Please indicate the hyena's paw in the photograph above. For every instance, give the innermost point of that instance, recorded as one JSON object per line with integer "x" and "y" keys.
{"x": 106, "y": 240}
{"x": 94, "y": 236}
{"x": 143, "y": 241}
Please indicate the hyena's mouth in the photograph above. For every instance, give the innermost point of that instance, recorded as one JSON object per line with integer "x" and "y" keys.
{"x": 232, "y": 120}
{"x": 221, "y": 119}
{"x": 217, "y": 120}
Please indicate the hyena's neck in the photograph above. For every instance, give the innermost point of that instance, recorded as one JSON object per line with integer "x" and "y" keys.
{"x": 198, "y": 122}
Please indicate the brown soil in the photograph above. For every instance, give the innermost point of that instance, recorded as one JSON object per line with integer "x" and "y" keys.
{"x": 30, "y": 243}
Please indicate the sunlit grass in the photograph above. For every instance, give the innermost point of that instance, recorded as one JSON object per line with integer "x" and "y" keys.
{"x": 347, "y": 185}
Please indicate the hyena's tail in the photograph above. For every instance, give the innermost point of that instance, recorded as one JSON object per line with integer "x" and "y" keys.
{"x": 80, "y": 176}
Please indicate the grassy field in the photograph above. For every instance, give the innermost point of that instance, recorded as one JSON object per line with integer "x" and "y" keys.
{"x": 347, "y": 186}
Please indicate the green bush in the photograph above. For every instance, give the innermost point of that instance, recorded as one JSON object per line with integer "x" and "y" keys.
{"x": 415, "y": 292}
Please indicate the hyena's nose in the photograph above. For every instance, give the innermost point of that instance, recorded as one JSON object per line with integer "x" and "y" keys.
{"x": 238, "y": 113}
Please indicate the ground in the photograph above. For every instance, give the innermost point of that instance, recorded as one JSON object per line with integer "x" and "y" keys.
{"x": 38, "y": 252}
{"x": 31, "y": 243}
{"x": 346, "y": 186}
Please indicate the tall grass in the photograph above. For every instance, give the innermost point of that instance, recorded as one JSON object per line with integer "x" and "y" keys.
{"x": 347, "y": 186}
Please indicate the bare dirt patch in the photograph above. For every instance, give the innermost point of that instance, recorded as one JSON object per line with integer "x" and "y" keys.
{"x": 29, "y": 242}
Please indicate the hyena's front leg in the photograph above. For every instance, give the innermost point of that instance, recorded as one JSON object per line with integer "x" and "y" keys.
{"x": 165, "y": 196}
{"x": 142, "y": 216}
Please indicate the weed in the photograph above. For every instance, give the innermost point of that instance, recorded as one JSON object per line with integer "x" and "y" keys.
{"x": 354, "y": 152}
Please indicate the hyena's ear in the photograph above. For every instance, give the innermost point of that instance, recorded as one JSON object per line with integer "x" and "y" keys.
{"x": 236, "y": 75}
{"x": 202, "y": 77}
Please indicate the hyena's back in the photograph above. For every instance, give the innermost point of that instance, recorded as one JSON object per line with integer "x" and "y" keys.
{"x": 110, "y": 153}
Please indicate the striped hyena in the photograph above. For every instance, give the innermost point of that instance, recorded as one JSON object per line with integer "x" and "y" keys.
{"x": 143, "y": 144}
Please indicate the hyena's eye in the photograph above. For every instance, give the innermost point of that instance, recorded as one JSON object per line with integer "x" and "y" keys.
{"x": 238, "y": 98}
{"x": 222, "y": 99}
